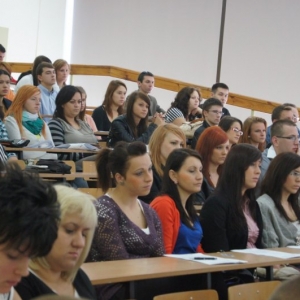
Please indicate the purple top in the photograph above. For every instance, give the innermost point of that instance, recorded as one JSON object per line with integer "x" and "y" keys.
{"x": 116, "y": 237}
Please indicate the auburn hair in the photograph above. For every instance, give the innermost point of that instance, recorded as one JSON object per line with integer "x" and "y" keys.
{"x": 207, "y": 142}
{"x": 17, "y": 106}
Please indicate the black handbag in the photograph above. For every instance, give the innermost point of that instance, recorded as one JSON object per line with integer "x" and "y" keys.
{"x": 54, "y": 166}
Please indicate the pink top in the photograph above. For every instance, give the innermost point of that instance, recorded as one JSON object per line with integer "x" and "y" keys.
{"x": 90, "y": 121}
{"x": 253, "y": 230}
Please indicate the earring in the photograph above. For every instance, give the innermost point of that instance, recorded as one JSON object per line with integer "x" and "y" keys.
{"x": 175, "y": 182}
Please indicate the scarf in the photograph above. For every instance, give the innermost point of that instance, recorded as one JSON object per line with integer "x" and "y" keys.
{"x": 32, "y": 122}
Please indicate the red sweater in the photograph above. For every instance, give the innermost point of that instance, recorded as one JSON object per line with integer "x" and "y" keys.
{"x": 170, "y": 221}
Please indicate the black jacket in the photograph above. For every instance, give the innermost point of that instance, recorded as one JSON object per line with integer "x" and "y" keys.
{"x": 197, "y": 134}
{"x": 32, "y": 287}
{"x": 216, "y": 218}
{"x": 120, "y": 131}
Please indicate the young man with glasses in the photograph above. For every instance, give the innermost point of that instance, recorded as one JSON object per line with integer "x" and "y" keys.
{"x": 212, "y": 113}
{"x": 284, "y": 137}
{"x": 221, "y": 91}
{"x": 281, "y": 112}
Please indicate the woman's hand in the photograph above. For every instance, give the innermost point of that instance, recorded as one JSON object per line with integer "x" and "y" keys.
{"x": 196, "y": 111}
{"x": 158, "y": 119}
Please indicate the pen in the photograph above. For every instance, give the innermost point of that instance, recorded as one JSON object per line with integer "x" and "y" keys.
{"x": 205, "y": 258}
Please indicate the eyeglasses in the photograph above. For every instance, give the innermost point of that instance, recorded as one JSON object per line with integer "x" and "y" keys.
{"x": 295, "y": 119}
{"x": 292, "y": 138}
{"x": 295, "y": 174}
{"x": 237, "y": 130}
{"x": 216, "y": 112}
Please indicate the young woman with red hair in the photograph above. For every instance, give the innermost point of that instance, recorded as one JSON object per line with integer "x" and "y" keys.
{"x": 24, "y": 121}
{"x": 213, "y": 146}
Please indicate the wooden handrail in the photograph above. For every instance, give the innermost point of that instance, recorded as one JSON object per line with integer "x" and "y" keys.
{"x": 254, "y": 104}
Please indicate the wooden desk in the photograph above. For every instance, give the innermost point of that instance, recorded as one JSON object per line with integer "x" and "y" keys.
{"x": 67, "y": 176}
{"x": 101, "y": 133}
{"x": 159, "y": 267}
{"x": 20, "y": 151}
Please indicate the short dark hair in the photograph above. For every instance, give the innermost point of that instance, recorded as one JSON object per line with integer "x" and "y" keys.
{"x": 37, "y": 61}
{"x": 2, "y": 49}
{"x": 219, "y": 85}
{"x": 277, "y": 127}
{"x": 211, "y": 102}
{"x": 276, "y": 113}
{"x": 290, "y": 105}
{"x": 143, "y": 74}
{"x": 64, "y": 95}
{"x": 174, "y": 162}
{"x": 29, "y": 212}
{"x": 41, "y": 66}
{"x": 112, "y": 161}
{"x": 278, "y": 171}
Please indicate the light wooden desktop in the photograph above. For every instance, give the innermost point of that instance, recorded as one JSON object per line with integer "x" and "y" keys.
{"x": 159, "y": 267}
{"x": 19, "y": 151}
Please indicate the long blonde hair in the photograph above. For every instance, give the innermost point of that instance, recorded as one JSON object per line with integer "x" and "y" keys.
{"x": 156, "y": 140}
{"x": 17, "y": 106}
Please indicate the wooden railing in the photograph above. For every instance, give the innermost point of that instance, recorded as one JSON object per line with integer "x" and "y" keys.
{"x": 254, "y": 104}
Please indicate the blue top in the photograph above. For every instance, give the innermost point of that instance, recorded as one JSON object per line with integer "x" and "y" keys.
{"x": 188, "y": 239}
{"x": 47, "y": 102}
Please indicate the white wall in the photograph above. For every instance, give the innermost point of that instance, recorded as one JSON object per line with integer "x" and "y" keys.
{"x": 36, "y": 27}
{"x": 171, "y": 38}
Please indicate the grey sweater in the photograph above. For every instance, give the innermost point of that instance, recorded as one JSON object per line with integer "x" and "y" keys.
{"x": 277, "y": 231}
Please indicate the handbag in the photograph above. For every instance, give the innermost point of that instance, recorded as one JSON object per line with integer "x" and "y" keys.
{"x": 54, "y": 166}
{"x": 189, "y": 128}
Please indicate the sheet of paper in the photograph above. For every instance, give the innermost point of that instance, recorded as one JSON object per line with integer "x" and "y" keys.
{"x": 265, "y": 252}
{"x": 294, "y": 247}
{"x": 207, "y": 259}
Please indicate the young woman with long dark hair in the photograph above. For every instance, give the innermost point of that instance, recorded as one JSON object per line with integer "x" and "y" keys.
{"x": 231, "y": 217}
{"x": 133, "y": 126}
{"x": 112, "y": 105}
{"x": 233, "y": 128}
{"x": 182, "y": 179}
{"x": 133, "y": 227}
{"x": 185, "y": 107}
{"x": 279, "y": 202}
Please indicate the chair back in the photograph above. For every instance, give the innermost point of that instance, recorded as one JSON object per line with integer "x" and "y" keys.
{"x": 190, "y": 295}
{"x": 253, "y": 291}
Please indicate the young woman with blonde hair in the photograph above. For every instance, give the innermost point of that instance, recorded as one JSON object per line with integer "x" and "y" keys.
{"x": 59, "y": 271}
{"x": 163, "y": 141}
{"x": 62, "y": 70}
{"x": 254, "y": 130}
{"x": 23, "y": 120}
